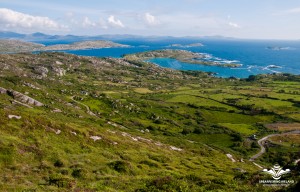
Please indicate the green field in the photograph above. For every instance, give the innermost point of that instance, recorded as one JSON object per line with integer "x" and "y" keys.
{"x": 122, "y": 125}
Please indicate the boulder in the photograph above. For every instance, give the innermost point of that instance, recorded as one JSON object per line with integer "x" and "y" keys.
{"x": 59, "y": 71}
{"x": 3, "y": 91}
{"x": 14, "y": 117}
{"x": 24, "y": 98}
{"x": 43, "y": 71}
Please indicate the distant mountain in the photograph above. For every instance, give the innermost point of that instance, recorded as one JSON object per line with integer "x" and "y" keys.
{"x": 7, "y": 35}
{"x": 73, "y": 38}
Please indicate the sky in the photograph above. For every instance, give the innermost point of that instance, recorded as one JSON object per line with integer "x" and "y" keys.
{"x": 251, "y": 19}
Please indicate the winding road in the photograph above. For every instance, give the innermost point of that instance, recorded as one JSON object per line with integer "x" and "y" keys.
{"x": 262, "y": 141}
{"x": 87, "y": 107}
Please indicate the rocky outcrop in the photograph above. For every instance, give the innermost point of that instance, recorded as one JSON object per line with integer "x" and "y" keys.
{"x": 59, "y": 71}
{"x": 24, "y": 98}
{"x": 43, "y": 71}
{"x": 14, "y": 117}
{"x": 31, "y": 85}
{"x": 3, "y": 91}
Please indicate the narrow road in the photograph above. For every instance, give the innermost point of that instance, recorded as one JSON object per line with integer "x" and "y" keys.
{"x": 87, "y": 107}
{"x": 262, "y": 141}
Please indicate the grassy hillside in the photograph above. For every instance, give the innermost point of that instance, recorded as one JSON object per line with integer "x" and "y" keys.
{"x": 17, "y": 46}
{"x": 117, "y": 125}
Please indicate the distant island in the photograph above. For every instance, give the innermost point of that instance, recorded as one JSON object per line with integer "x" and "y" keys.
{"x": 180, "y": 55}
{"x": 15, "y": 46}
{"x": 187, "y": 46}
{"x": 277, "y": 48}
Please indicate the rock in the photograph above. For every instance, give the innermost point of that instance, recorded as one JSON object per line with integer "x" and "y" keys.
{"x": 239, "y": 170}
{"x": 73, "y": 132}
{"x": 231, "y": 157}
{"x": 3, "y": 91}
{"x": 57, "y": 111}
{"x": 95, "y": 138}
{"x": 58, "y": 63}
{"x": 57, "y": 132}
{"x": 43, "y": 71}
{"x": 14, "y": 116}
{"x": 175, "y": 148}
{"x": 24, "y": 98}
{"x": 31, "y": 85}
{"x": 59, "y": 71}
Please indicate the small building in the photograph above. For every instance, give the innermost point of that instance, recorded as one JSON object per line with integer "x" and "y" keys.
{"x": 84, "y": 92}
{"x": 253, "y": 137}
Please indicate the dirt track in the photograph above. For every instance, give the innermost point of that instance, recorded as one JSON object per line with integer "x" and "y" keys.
{"x": 262, "y": 141}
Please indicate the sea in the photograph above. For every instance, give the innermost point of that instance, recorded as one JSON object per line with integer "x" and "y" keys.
{"x": 255, "y": 56}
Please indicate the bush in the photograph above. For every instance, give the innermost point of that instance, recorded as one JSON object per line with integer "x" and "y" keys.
{"x": 237, "y": 137}
{"x": 58, "y": 163}
{"x": 119, "y": 166}
{"x": 6, "y": 155}
{"x": 198, "y": 130}
{"x": 187, "y": 130}
{"x": 78, "y": 173}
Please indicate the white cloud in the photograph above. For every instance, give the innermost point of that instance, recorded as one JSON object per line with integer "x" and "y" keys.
{"x": 293, "y": 11}
{"x": 115, "y": 22}
{"x": 10, "y": 20}
{"x": 88, "y": 23}
{"x": 102, "y": 24}
{"x": 150, "y": 19}
{"x": 69, "y": 14}
{"x": 234, "y": 25}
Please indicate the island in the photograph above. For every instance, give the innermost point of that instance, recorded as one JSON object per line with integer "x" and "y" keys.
{"x": 16, "y": 46}
{"x": 180, "y": 55}
{"x": 277, "y": 48}
{"x": 186, "y": 46}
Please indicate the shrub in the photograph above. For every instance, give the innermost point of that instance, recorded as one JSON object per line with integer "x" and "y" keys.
{"x": 58, "y": 163}
{"x": 6, "y": 155}
{"x": 119, "y": 166}
{"x": 78, "y": 173}
{"x": 187, "y": 130}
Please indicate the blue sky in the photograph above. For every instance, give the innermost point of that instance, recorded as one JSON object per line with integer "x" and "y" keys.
{"x": 255, "y": 19}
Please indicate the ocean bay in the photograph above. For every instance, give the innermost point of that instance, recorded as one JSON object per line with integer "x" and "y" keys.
{"x": 256, "y": 56}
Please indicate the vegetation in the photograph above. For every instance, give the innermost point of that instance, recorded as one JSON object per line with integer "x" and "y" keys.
{"x": 126, "y": 125}
{"x": 181, "y": 55}
{"x": 16, "y": 46}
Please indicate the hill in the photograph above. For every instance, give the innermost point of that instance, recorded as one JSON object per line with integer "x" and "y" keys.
{"x": 9, "y": 46}
{"x": 15, "y": 46}
{"x": 72, "y": 123}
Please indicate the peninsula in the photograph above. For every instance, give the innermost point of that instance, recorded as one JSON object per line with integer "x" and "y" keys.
{"x": 17, "y": 46}
{"x": 180, "y": 55}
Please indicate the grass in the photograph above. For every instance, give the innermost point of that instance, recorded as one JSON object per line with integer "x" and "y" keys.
{"x": 240, "y": 128}
{"x": 155, "y": 109}
{"x": 283, "y": 127}
{"x": 222, "y": 141}
{"x": 287, "y": 140}
{"x": 142, "y": 90}
{"x": 225, "y": 117}
{"x": 198, "y": 101}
